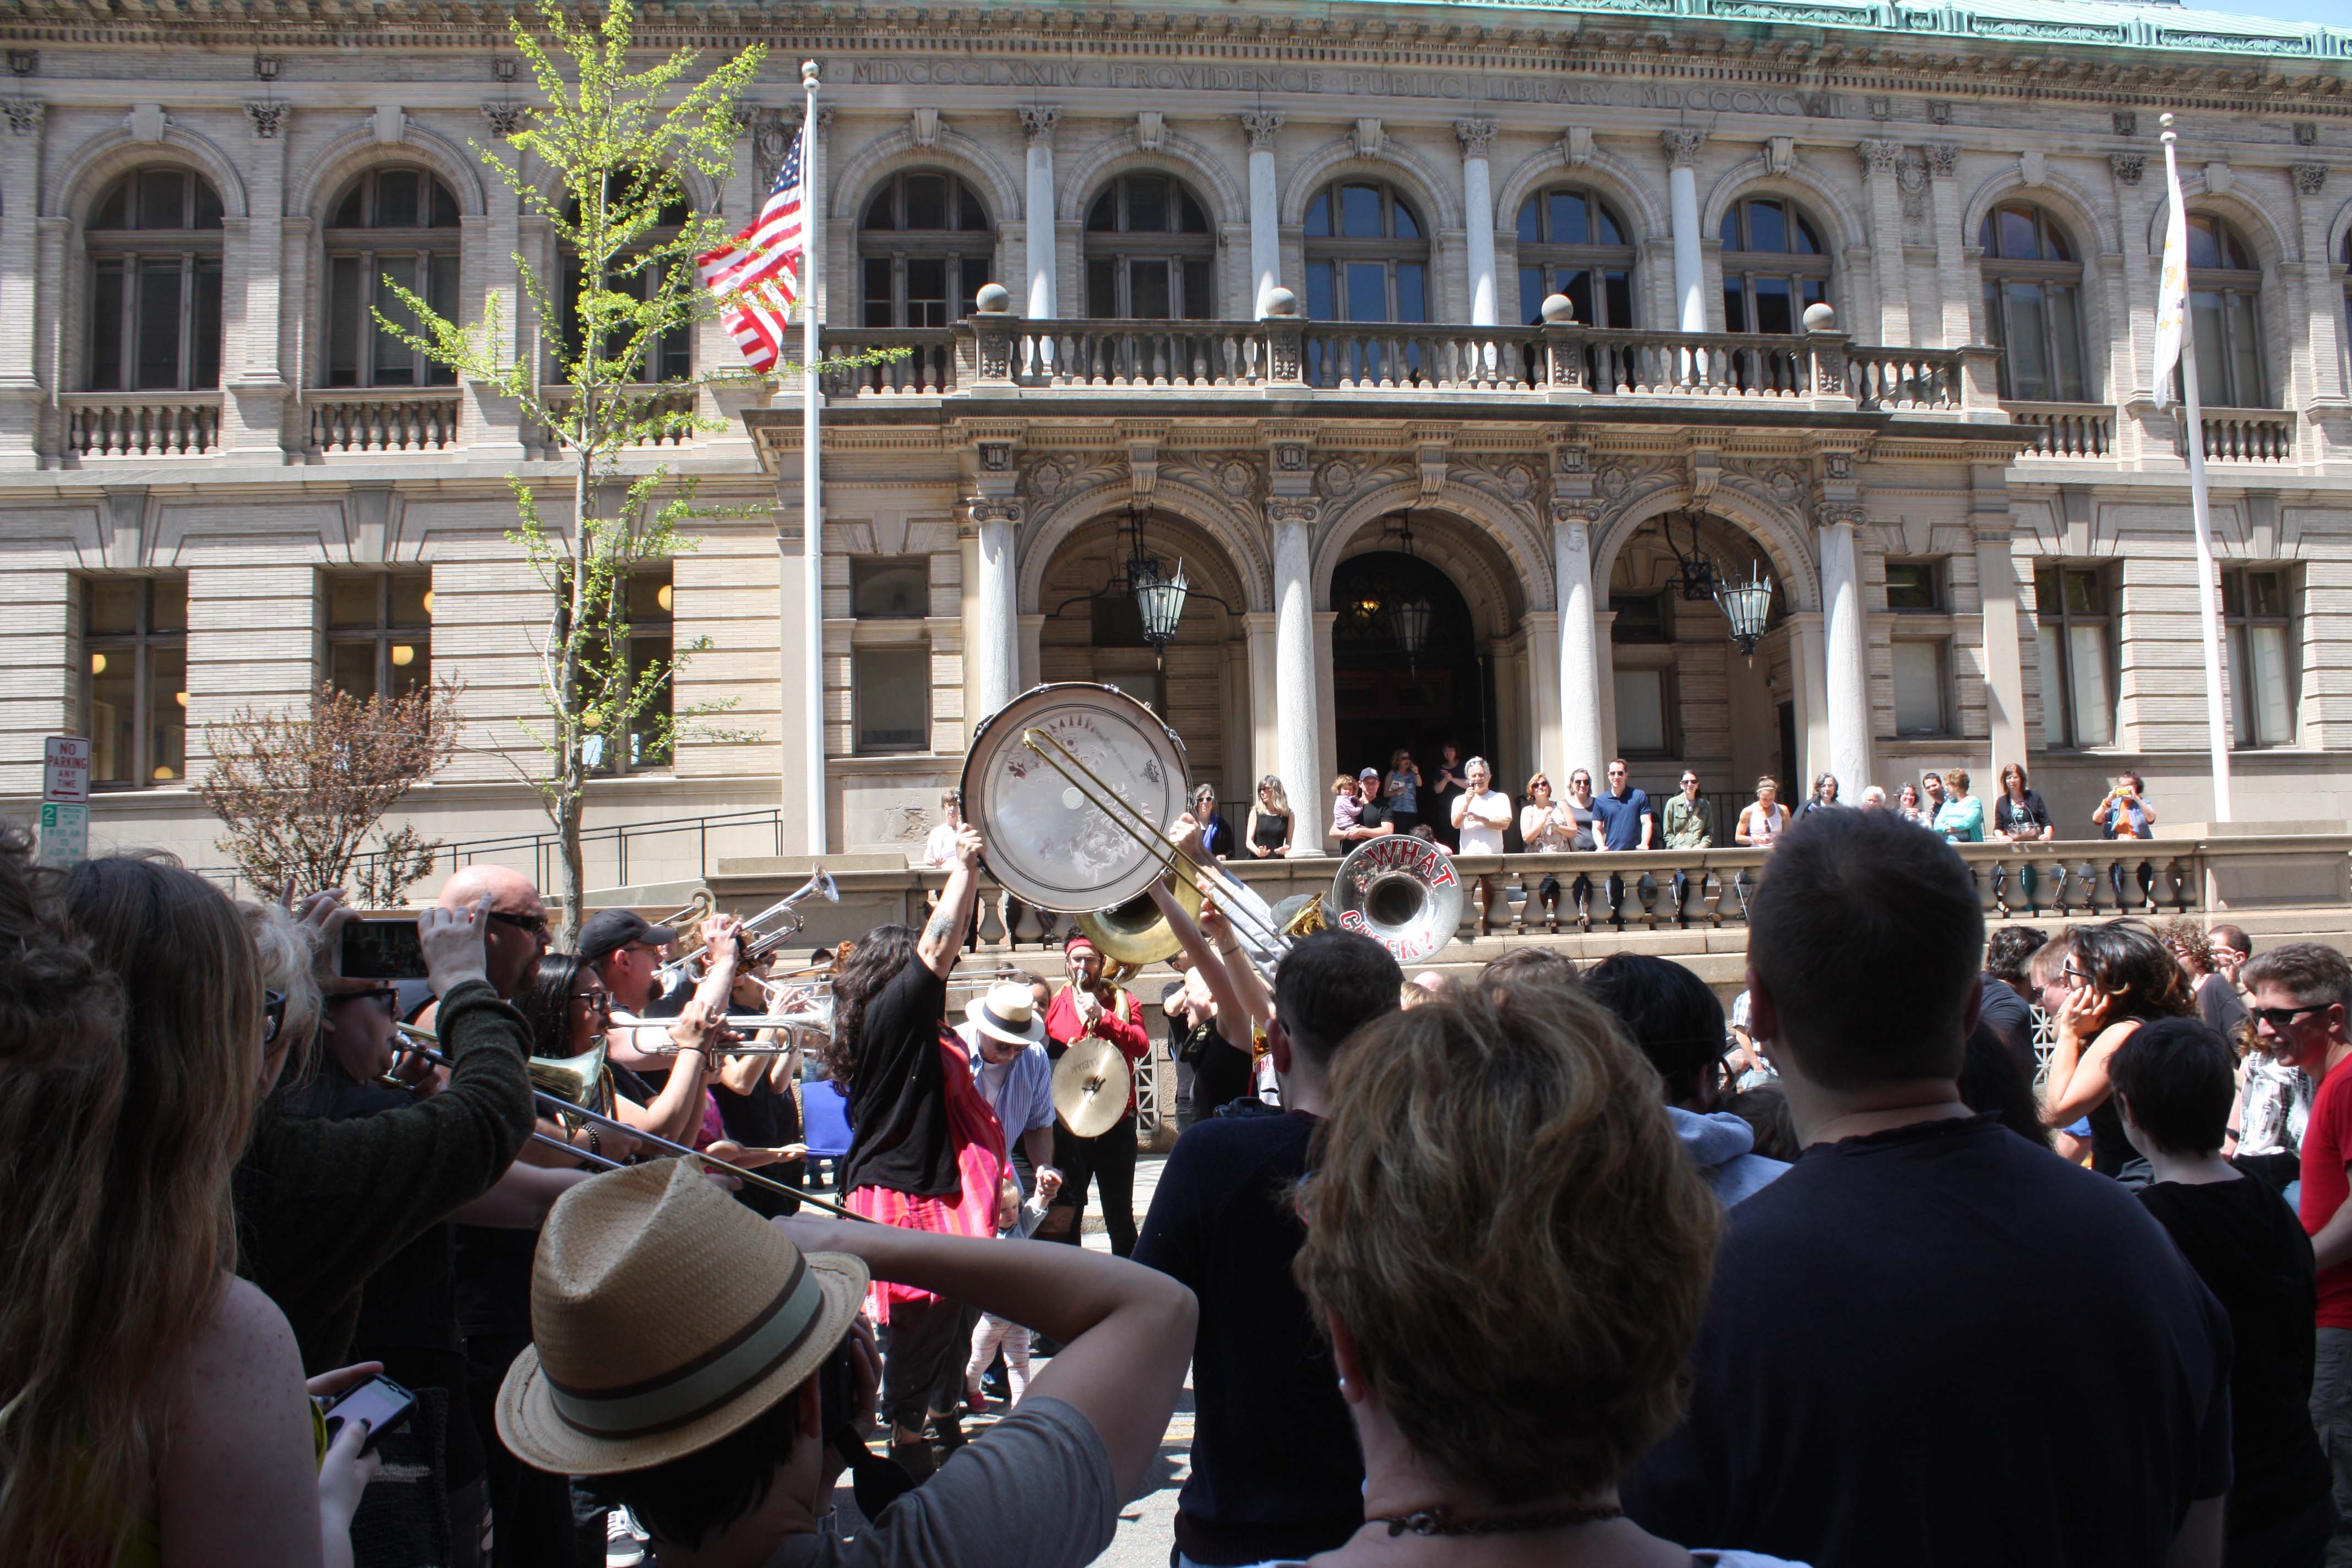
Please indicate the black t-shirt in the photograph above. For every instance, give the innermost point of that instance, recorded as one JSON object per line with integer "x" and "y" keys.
{"x": 1220, "y": 1072}
{"x": 2016, "y": 820}
{"x": 898, "y": 1099}
{"x": 1275, "y": 1472}
{"x": 2250, "y": 1251}
{"x": 2004, "y": 1012}
{"x": 1375, "y": 814}
{"x": 1942, "y": 1345}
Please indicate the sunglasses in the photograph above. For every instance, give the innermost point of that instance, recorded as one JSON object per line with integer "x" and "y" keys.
{"x": 2073, "y": 976}
{"x": 598, "y": 1001}
{"x": 273, "y": 1015}
{"x": 535, "y": 924}
{"x": 2280, "y": 1019}
{"x": 385, "y": 997}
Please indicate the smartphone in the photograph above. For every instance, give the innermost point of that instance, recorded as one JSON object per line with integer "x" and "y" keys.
{"x": 382, "y": 947}
{"x": 380, "y": 1402}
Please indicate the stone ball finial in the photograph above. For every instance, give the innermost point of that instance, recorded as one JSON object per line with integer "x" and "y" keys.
{"x": 1819, "y": 318}
{"x": 995, "y": 300}
{"x": 1281, "y": 302}
{"x": 1559, "y": 311}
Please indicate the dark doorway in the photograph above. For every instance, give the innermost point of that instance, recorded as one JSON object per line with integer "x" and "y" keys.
{"x": 1387, "y": 697}
{"x": 1793, "y": 790}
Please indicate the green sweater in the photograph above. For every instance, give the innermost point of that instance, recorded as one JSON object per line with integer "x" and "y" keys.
{"x": 322, "y": 1205}
{"x": 1690, "y": 827}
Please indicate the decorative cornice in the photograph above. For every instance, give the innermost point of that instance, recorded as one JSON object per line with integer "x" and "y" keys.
{"x": 1037, "y": 121}
{"x": 24, "y": 114}
{"x": 1878, "y": 153}
{"x": 2128, "y": 167}
{"x": 1261, "y": 124}
{"x": 1475, "y": 136}
{"x": 1682, "y": 144}
{"x": 268, "y": 118}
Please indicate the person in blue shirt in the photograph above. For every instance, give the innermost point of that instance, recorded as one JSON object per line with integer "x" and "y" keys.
{"x": 1621, "y": 821}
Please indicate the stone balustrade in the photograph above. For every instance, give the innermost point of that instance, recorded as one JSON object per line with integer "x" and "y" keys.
{"x": 2249, "y": 436}
{"x": 2066, "y": 429}
{"x": 351, "y": 420}
{"x": 141, "y": 424}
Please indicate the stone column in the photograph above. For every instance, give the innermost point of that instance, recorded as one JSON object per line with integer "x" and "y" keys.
{"x": 1264, "y": 749}
{"x": 2004, "y": 658}
{"x": 1878, "y": 155}
{"x": 2132, "y": 364}
{"x": 1265, "y": 214}
{"x": 1580, "y": 672}
{"x": 1951, "y": 261}
{"x": 1478, "y": 203}
{"x": 1298, "y": 718}
{"x": 1808, "y": 695}
{"x": 1682, "y": 197}
{"x": 2321, "y": 319}
{"x": 21, "y": 392}
{"x": 991, "y": 637}
{"x": 1037, "y": 121}
{"x": 1538, "y": 675}
{"x": 1846, "y": 635}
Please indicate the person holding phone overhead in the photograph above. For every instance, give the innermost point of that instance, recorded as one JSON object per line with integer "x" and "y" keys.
{"x": 1401, "y": 790}
{"x": 2124, "y": 813}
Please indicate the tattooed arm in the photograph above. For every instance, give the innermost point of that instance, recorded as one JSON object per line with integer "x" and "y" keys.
{"x": 937, "y": 947}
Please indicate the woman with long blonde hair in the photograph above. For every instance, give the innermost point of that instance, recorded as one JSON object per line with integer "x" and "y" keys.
{"x": 1268, "y": 831}
{"x": 150, "y": 1404}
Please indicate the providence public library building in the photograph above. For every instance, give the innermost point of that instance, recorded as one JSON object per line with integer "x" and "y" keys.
{"x": 1467, "y": 356}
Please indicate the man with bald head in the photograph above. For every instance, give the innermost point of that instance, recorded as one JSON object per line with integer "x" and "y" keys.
{"x": 517, "y": 933}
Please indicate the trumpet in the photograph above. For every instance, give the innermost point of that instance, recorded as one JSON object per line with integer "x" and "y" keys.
{"x": 816, "y": 1018}
{"x": 757, "y": 941}
{"x": 584, "y": 1075}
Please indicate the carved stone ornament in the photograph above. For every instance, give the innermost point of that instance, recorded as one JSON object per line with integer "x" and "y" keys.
{"x": 1367, "y": 137}
{"x": 996, "y": 456}
{"x": 1575, "y": 511}
{"x": 24, "y": 62}
{"x": 1828, "y": 370}
{"x": 505, "y": 68}
{"x": 1943, "y": 159}
{"x": 1236, "y": 479}
{"x": 1261, "y": 124}
{"x": 990, "y": 509}
{"x": 1338, "y": 478}
{"x": 1475, "y": 136}
{"x": 1682, "y": 144}
{"x": 1911, "y": 180}
{"x": 265, "y": 67}
{"x": 268, "y": 119}
{"x": 926, "y": 127}
{"x": 1576, "y": 145}
{"x": 1570, "y": 460}
{"x": 1780, "y": 152}
{"x": 1037, "y": 121}
{"x": 1293, "y": 509}
{"x": 2306, "y": 133}
{"x": 24, "y": 114}
{"x": 1877, "y": 154}
{"x": 1837, "y": 465}
{"x": 1830, "y": 514}
{"x": 1047, "y": 479}
{"x": 2128, "y": 167}
{"x": 771, "y": 143}
{"x": 1150, "y": 129}
{"x": 2309, "y": 178}
{"x": 505, "y": 119}
{"x": 2127, "y": 123}
{"x": 1290, "y": 457}
{"x": 1940, "y": 111}
{"x": 1615, "y": 480}
{"x": 1882, "y": 107}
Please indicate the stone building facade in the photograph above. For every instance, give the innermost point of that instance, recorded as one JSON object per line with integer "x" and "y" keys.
{"x": 1275, "y": 303}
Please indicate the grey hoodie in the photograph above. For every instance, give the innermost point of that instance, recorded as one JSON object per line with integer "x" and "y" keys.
{"x": 1721, "y": 1145}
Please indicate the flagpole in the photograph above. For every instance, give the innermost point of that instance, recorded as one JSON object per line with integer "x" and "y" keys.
{"x": 2208, "y": 614}
{"x": 812, "y": 473}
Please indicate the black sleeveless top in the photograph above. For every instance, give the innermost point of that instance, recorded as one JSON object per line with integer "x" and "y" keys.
{"x": 1273, "y": 832}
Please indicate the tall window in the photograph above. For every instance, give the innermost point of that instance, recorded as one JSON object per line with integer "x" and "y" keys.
{"x": 2224, "y": 287}
{"x": 2077, "y": 630}
{"x": 156, "y": 284}
{"x": 1148, "y": 252}
{"x": 2256, "y": 610}
{"x": 393, "y": 226}
{"x": 924, "y": 247}
{"x": 1571, "y": 243}
{"x": 378, "y": 631}
{"x": 650, "y": 645}
{"x": 668, "y": 356}
{"x": 1773, "y": 266}
{"x": 2032, "y": 292}
{"x": 891, "y": 657}
{"x": 1367, "y": 255}
{"x": 135, "y": 679}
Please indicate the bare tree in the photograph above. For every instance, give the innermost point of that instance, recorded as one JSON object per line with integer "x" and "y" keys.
{"x": 301, "y": 792}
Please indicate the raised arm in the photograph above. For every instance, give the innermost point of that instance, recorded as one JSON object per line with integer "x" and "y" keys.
{"x": 936, "y": 946}
{"x": 1202, "y": 955}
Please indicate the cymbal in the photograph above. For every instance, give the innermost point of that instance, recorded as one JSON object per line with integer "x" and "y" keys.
{"x": 1090, "y": 1085}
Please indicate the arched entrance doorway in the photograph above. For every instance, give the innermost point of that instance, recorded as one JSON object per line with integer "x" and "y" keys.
{"x": 1406, "y": 669}
{"x": 1680, "y": 693}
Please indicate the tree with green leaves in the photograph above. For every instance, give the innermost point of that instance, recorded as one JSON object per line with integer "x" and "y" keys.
{"x": 616, "y": 139}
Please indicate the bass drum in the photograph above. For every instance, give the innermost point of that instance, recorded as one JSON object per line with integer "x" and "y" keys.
{"x": 1050, "y": 843}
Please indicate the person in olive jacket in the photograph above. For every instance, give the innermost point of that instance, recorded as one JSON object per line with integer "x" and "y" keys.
{"x": 322, "y": 1205}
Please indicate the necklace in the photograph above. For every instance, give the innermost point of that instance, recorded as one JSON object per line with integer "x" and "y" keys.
{"x": 1437, "y": 1521}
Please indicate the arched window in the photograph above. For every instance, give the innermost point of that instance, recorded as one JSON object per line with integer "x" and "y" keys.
{"x": 924, "y": 247}
{"x": 1148, "y": 251}
{"x": 1773, "y": 266}
{"x": 1571, "y": 243}
{"x": 1367, "y": 255}
{"x": 2225, "y": 285}
{"x": 156, "y": 284}
{"x": 2032, "y": 291}
{"x": 395, "y": 224}
{"x": 669, "y": 356}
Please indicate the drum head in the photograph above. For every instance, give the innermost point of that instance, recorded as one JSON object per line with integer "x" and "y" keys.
{"x": 1048, "y": 842}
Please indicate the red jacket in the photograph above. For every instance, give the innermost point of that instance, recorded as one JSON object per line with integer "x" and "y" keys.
{"x": 1121, "y": 1025}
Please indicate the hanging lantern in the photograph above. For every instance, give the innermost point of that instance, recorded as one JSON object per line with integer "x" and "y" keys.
{"x": 1160, "y": 600}
{"x": 1411, "y": 622}
{"x": 1747, "y": 605}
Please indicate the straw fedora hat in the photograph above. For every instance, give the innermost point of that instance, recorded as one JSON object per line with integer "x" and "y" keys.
{"x": 664, "y": 1315}
{"x": 1008, "y": 1012}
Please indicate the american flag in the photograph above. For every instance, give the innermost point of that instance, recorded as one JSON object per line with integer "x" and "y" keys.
{"x": 757, "y": 272}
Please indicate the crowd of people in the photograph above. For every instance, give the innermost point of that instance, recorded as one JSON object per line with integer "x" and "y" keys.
{"x": 1535, "y": 1265}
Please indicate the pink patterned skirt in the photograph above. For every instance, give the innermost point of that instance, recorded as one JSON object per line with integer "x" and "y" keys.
{"x": 972, "y": 1210}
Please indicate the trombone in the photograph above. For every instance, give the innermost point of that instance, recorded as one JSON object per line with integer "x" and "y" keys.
{"x": 561, "y": 1085}
{"x": 816, "y": 1018}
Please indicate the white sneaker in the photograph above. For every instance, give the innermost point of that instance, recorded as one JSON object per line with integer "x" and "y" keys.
{"x": 624, "y": 1547}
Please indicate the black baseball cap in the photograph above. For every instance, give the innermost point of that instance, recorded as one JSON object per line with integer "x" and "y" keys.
{"x": 609, "y": 930}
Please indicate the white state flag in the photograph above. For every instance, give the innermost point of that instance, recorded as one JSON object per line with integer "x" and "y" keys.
{"x": 2172, "y": 287}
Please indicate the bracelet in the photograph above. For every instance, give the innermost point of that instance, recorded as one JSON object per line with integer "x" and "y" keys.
{"x": 595, "y": 1145}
